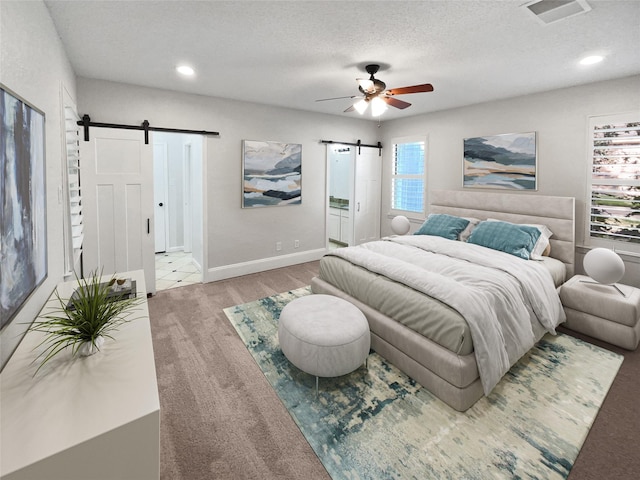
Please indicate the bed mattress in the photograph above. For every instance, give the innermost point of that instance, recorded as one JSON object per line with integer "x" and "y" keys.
{"x": 445, "y": 325}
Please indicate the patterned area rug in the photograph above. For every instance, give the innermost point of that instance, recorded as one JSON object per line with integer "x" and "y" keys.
{"x": 378, "y": 423}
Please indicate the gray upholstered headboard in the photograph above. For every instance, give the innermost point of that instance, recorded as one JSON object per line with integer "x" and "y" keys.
{"x": 558, "y": 213}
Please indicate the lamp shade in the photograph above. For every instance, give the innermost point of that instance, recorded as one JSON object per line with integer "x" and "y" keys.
{"x": 378, "y": 107}
{"x": 400, "y": 225}
{"x": 361, "y": 106}
{"x": 603, "y": 265}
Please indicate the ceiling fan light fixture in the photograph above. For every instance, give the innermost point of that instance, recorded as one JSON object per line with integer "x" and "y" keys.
{"x": 365, "y": 84}
{"x": 378, "y": 107}
{"x": 361, "y": 106}
{"x": 374, "y": 91}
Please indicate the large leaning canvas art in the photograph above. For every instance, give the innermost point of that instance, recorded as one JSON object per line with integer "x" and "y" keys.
{"x": 271, "y": 173}
{"x": 23, "y": 242}
{"x": 501, "y": 161}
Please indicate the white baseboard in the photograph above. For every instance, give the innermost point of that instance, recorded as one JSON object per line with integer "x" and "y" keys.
{"x": 261, "y": 265}
{"x": 196, "y": 264}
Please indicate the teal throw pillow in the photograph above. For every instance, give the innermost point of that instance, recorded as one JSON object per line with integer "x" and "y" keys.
{"x": 442, "y": 225}
{"x": 518, "y": 240}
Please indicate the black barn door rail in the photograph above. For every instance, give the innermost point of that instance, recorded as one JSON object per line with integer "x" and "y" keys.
{"x": 86, "y": 123}
{"x": 359, "y": 144}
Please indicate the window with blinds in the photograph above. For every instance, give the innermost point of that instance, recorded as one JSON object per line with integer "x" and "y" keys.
{"x": 74, "y": 235}
{"x": 615, "y": 178}
{"x": 408, "y": 176}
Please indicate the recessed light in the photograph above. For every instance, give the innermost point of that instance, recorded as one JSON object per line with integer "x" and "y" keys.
{"x": 593, "y": 59}
{"x": 185, "y": 70}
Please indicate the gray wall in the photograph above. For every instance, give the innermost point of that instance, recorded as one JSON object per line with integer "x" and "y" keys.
{"x": 560, "y": 118}
{"x": 239, "y": 240}
{"x": 33, "y": 64}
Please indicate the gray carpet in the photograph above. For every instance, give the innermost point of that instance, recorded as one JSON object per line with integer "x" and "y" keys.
{"x": 220, "y": 418}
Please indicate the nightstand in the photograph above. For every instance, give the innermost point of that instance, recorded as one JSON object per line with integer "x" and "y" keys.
{"x": 601, "y": 311}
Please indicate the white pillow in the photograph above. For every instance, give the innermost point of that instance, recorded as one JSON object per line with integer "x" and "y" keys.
{"x": 464, "y": 235}
{"x": 543, "y": 240}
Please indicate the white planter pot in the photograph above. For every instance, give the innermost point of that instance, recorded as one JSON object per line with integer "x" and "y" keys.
{"x": 89, "y": 348}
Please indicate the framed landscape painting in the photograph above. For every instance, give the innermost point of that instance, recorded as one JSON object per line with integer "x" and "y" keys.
{"x": 501, "y": 161}
{"x": 23, "y": 255}
{"x": 271, "y": 173}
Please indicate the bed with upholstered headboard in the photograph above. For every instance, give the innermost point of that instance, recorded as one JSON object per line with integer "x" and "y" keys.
{"x": 422, "y": 321}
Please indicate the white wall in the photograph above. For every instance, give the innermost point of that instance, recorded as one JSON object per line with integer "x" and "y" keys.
{"x": 34, "y": 65}
{"x": 239, "y": 240}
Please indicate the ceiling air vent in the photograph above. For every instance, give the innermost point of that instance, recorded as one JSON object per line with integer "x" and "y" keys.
{"x": 550, "y": 11}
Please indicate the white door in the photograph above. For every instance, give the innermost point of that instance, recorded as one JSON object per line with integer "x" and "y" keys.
{"x": 160, "y": 196}
{"x": 117, "y": 188}
{"x": 365, "y": 210}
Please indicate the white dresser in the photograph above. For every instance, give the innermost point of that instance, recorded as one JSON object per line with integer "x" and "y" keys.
{"x": 92, "y": 417}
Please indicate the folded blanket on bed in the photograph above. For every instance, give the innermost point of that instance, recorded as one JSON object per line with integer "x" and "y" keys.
{"x": 498, "y": 294}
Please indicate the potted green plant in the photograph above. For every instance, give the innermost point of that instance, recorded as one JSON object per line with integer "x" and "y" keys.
{"x": 83, "y": 321}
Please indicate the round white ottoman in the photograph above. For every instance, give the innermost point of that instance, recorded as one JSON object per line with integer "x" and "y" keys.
{"x": 324, "y": 335}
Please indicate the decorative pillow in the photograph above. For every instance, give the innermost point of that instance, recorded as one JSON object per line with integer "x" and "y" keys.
{"x": 442, "y": 225}
{"x": 518, "y": 240}
{"x": 542, "y": 246}
{"x": 464, "y": 235}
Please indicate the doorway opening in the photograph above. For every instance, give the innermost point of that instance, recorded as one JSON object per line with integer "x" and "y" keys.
{"x": 178, "y": 209}
{"x": 353, "y": 192}
{"x": 340, "y": 163}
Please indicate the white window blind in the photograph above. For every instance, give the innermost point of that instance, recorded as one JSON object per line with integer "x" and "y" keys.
{"x": 73, "y": 222}
{"x": 408, "y": 176}
{"x": 615, "y": 178}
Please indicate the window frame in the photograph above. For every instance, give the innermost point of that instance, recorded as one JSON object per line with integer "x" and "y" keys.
{"x": 589, "y": 240}
{"x": 409, "y": 213}
{"x": 73, "y": 224}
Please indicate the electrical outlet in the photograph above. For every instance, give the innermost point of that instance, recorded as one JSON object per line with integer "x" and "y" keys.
{"x": 296, "y": 243}
{"x": 278, "y": 246}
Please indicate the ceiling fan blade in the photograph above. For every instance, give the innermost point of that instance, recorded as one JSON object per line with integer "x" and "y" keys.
{"x": 425, "y": 87}
{"x": 395, "y": 102}
{"x": 336, "y": 98}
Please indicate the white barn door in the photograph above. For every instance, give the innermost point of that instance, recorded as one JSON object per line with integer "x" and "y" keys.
{"x": 117, "y": 189}
{"x": 367, "y": 193}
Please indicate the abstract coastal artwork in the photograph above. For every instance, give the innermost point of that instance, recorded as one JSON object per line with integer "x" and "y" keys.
{"x": 23, "y": 234}
{"x": 272, "y": 173}
{"x": 501, "y": 161}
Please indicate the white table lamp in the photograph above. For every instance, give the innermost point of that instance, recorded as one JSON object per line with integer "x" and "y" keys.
{"x": 400, "y": 225}
{"x": 604, "y": 266}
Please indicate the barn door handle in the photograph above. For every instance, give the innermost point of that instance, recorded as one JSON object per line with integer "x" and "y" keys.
{"x": 148, "y": 226}
{"x": 358, "y": 206}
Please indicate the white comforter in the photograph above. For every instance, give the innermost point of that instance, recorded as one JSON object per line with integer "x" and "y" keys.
{"x": 498, "y": 294}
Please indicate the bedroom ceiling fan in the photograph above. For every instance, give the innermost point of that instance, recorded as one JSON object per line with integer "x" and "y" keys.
{"x": 375, "y": 92}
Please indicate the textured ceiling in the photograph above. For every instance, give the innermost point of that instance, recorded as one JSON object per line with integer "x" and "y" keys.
{"x": 292, "y": 53}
